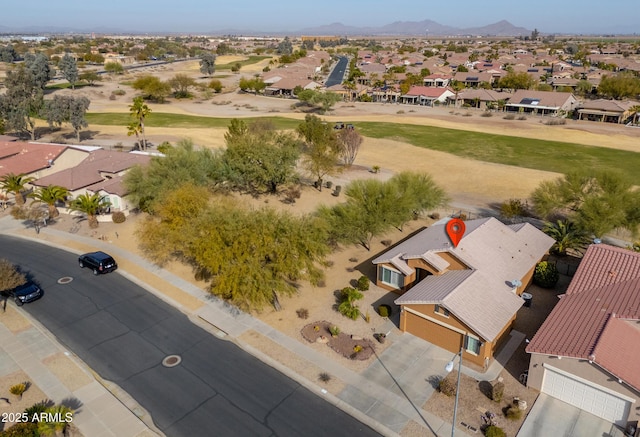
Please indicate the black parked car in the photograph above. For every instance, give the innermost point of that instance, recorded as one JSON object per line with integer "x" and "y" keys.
{"x": 26, "y": 293}
{"x": 99, "y": 262}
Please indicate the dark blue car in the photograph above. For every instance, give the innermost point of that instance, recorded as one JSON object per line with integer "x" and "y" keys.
{"x": 26, "y": 293}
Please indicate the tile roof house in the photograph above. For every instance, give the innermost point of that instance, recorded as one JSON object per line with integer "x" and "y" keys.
{"x": 466, "y": 295}
{"x": 587, "y": 352}
{"x": 36, "y": 159}
{"x": 610, "y": 111}
{"x": 424, "y": 95}
{"x": 541, "y": 102}
{"x": 101, "y": 172}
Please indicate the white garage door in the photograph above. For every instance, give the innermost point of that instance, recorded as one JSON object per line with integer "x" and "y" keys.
{"x": 589, "y": 397}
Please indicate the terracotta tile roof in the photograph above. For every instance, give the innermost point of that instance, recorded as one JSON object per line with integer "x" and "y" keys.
{"x": 427, "y": 91}
{"x": 26, "y": 158}
{"x": 614, "y": 352}
{"x": 92, "y": 170}
{"x": 494, "y": 253}
{"x": 606, "y": 286}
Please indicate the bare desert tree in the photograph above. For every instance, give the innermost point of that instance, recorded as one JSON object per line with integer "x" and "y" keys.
{"x": 10, "y": 277}
{"x": 351, "y": 140}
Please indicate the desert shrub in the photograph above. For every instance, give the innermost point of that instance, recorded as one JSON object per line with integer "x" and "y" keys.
{"x": 497, "y": 391}
{"x": 522, "y": 117}
{"x": 22, "y": 429}
{"x": 303, "y": 313}
{"x": 494, "y": 431}
{"x": 384, "y": 310}
{"x": 386, "y": 243}
{"x": 513, "y": 208}
{"x": 112, "y": 96}
{"x": 353, "y": 259}
{"x": 514, "y": 413}
{"x": 435, "y": 216}
{"x": 119, "y": 92}
{"x": 546, "y": 275}
{"x": 467, "y": 114}
{"x": 509, "y": 117}
{"x": 447, "y": 386}
{"x": 400, "y": 112}
{"x": 486, "y": 114}
{"x": 334, "y": 330}
{"x": 324, "y": 377}
{"x": 118, "y": 217}
{"x": 215, "y": 85}
{"x": 357, "y": 348}
{"x": 18, "y": 213}
{"x": 328, "y": 184}
{"x": 18, "y": 389}
{"x": 363, "y": 283}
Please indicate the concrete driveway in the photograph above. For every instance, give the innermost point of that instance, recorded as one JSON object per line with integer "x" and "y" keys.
{"x": 552, "y": 417}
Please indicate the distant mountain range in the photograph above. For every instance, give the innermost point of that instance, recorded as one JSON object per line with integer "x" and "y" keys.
{"x": 424, "y": 28}
{"x": 400, "y": 28}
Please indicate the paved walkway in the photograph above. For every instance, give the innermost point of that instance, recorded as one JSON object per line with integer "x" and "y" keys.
{"x": 386, "y": 396}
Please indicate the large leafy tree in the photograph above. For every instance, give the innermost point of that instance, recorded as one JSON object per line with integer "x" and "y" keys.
{"x": 90, "y": 205}
{"x": 373, "y": 206}
{"x": 139, "y": 111}
{"x": 50, "y": 195}
{"x": 181, "y": 83}
{"x": 16, "y": 184}
{"x": 517, "y": 81}
{"x": 322, "y": 148}
{"x": 322, "y": 100}
{"x": 152, "y": 88}
{"x": 182, "y": 164}
{"x": 598, "y": 202}
{"x": 68, "y": 109}
{"x": 22, "y": 103}
{"x": 285, "y": 47}
{"x": 208, "y": 63}
{"x": 251, "y": 257}
{"x": 625, "y": 84}
{"x": 261, "y": 160}
{"x": 40, "y": 69}
{"x": 8, "y": 54}
{"x": 69, "y": 68}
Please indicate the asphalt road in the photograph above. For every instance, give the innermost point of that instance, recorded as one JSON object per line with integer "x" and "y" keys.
{"x": 124, "y": 332}
{"x": 337, "y": 74}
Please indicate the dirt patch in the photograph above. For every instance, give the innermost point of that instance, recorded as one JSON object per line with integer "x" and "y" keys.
{"x": 12, "y": 319}
{"x": 67, "y": 371}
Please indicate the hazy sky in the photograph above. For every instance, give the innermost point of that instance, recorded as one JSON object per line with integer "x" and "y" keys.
{"x": 551, "y": 16}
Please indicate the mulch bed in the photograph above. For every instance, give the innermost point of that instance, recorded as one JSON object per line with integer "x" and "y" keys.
{"x": 344, "y": 344}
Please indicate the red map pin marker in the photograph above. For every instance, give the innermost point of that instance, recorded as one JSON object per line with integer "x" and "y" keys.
{"x": 455, "y": 230}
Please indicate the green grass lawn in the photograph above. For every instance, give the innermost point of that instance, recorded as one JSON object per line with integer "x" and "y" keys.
{"x": 500, "y": 149}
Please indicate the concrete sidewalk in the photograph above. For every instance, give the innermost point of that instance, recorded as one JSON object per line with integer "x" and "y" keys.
{"x": 387, "y": 396}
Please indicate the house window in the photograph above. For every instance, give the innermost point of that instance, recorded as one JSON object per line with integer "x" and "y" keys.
{"x": 472, "y": 345}
{"x": 441, "y": 310}
{"x": 391, "y": 277}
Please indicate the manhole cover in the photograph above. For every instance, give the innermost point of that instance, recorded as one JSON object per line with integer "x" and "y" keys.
{"x": 65, "y": 280}
{"x": 171, "y": 361}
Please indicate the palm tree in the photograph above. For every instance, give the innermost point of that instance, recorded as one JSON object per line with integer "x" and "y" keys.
{"x": 50, "y": 195}
{"x": 567, "y": 236}
{"x": 636, "y": 112}
{"x": 15, "y": 184}
{"x": 139, "y": 110}
{"x": 90, "y": 205}
{"x": 58, "y": 427}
